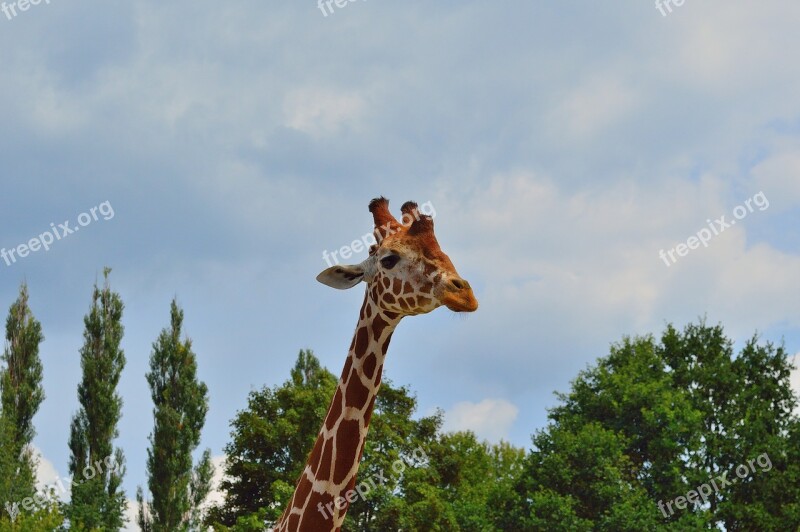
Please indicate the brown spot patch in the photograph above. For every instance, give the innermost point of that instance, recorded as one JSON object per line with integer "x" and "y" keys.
{"x": 319, "y": 519}
{"x": 386, "y": 282}
{"x": 368, "y": 413}
{"x": 336, "y": 409}
{"x": 316, "y": 455}
{"x": 356, "y": 394}
{"x": 398, "y": 286}
{"x": 369, "y": 366}
{"x": 303, "y": 490}
{"x": 324, "y": 467}
{"x": 407, "y": 289}
{"x": 386, "y": 343}
{"x": 361, "y": 341}
{"x": 347, "y": 440}
{"x": 378, "y": 325}
{"x": 388, "y": 298}
{"x": 347, "y": 365}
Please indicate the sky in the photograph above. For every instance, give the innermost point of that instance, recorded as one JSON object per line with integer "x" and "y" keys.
{"x": 597, "y": 170}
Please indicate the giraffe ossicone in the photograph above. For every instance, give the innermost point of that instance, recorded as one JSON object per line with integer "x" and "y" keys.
{"x": 406, "y": 274}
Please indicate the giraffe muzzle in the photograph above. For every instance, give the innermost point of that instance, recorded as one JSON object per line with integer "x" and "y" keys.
{"x": 459, "y": 297}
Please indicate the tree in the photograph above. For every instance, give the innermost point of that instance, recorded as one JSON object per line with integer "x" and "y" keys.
{"x": 270, "y": 442}
{"x": 98, "y": 501}
{"x": 46, "y": 518}
{"x": 654, "y": 421}
{"x": 181, "y": 404}
{"x": 458, "y": 487}
{"x": 21, "y": 393}
{"x": 397, "y": 445}
{"x": 411, "y": 477}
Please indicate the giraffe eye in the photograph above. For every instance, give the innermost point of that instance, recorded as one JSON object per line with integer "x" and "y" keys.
{"x": 389, "y": 261}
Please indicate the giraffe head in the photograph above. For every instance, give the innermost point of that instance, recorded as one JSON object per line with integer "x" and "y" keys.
{"x": 406, "y": 272}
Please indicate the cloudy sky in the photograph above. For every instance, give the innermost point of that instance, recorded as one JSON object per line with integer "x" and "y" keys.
{"x": 563, "y": 146}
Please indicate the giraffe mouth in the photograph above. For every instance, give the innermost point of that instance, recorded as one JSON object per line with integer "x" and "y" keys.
{"x": 460, "y": 302}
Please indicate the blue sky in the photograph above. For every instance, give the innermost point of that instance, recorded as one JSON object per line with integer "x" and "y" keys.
{"x": 563, "y": 145}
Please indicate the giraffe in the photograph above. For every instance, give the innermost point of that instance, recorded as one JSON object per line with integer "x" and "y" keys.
{"x": 406, "y": 274}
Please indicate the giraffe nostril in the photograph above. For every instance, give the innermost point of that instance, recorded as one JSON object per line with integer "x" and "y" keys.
{"x": 459, "y": 284}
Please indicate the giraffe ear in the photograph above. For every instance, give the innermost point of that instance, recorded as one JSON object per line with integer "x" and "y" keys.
{"x": 342, "y": 277}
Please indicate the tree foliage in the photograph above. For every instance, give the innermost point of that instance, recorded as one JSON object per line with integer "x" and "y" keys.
{"x": 270, "y": 442}
{"x": 655, "y": 420}
{"x": 98, "y": 501}
{"x": 21, "y": 393}
{"x": 181, "y": 404}
{"x": 414, "y": 477}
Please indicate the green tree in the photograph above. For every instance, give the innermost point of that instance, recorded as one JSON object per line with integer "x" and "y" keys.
{"x": 747, "y": 405}
{"x": 412, "y": 477}
{"x": 459, "y": 487}
{"x": 46, "y": 518}
{"x": 396, "y": 446}
{"x": 21, "y": 393}
{"x": 655, "y": 420}
{"x": 271, "y": 440}
{"x": 181, "y": 404}
{"x": 98, "y": 501}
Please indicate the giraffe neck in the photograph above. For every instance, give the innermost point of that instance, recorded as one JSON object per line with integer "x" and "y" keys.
{"x": 324, "y": 490}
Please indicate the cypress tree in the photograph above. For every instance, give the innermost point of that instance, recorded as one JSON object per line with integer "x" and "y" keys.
{"x": 181, "y": 404}
{"x": 98, "y": 501}
{"x": 21, "y": 394}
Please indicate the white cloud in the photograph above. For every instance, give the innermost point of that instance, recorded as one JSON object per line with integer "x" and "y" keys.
{"x": 216, "y": 496}
{"x": 592, "y": 255}
{"x": 718, "y": 47}
{"x": 130, "y": 513}
{"x": 321, "y": 112}
{"x": 779, "y": 178}
{"x": 598, "y": 104}
{"x": 46, "y": 473}
{"x": 489, "y": 419}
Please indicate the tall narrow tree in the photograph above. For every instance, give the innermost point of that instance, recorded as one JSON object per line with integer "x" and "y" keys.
{"x": 96, "y": 467}
{"x": 21, "y": 394}
{"x": 181, "y": 404}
